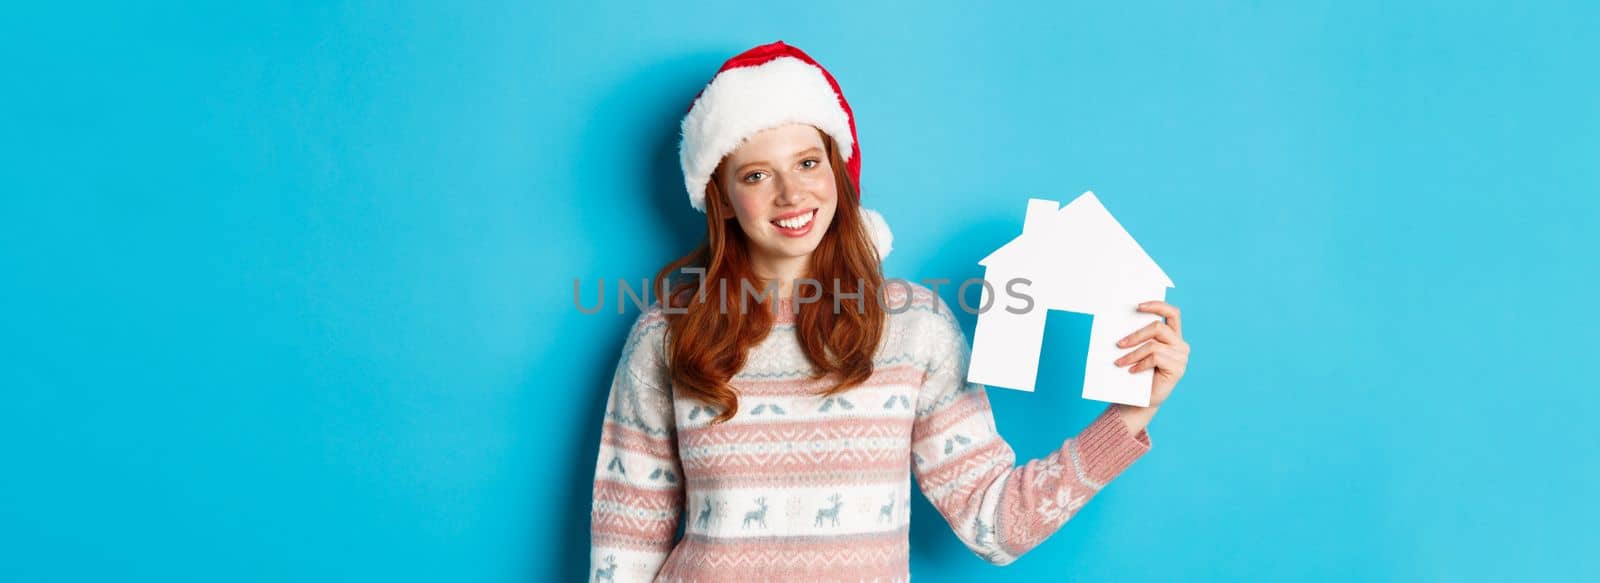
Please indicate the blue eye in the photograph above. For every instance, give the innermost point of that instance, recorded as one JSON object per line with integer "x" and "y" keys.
{"x": 813, "y": 161}
{"x": 751, "y": 177}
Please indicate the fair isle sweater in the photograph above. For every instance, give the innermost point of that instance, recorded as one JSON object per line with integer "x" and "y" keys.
{"x": 799, "y": 487}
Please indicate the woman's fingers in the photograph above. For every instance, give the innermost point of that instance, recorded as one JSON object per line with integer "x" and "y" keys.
{"x": 1158, "y": 330}
{"x": 1142, "y": 364}
{"x": 1163, "y": 346}
{"x": 1166, "y": 310}
{"x": 1138, "y": 353}
{"x": 1165, "y": 358}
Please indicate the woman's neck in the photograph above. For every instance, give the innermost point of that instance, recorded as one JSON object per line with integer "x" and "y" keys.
{"x": 781, "y": 273}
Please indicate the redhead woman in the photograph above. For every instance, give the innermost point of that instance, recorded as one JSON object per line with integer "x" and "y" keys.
{"x": 780, "y": 394}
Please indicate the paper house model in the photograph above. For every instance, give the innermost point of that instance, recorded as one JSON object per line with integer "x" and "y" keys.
{"x": 1078, "y": 259}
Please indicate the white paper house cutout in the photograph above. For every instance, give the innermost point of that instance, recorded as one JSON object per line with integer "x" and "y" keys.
{"x": 1079, "y": 259}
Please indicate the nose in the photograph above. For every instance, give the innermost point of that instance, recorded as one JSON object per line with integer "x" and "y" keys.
{"x": 788, "y": 191}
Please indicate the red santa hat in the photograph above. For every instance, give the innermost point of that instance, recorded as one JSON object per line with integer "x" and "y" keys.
{"x": 765, "y": 87}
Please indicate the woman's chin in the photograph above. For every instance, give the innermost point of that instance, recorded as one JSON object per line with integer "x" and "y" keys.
{"x": 786, "y": 248}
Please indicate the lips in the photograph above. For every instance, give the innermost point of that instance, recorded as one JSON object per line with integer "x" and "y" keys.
{"x": 795, "y": 224}
{"x": 795, "y": 219}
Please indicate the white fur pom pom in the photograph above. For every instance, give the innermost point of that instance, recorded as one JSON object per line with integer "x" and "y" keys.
{"x": 878, "y": 228}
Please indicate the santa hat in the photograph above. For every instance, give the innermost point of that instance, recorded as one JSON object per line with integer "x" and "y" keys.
{"x": 765, "y": 87}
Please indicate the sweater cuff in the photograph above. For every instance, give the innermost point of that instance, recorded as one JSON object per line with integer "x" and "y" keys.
{"x": 1108, "y": 446}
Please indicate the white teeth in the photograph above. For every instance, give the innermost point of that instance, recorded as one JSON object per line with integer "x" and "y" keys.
{"x": 797, "y": 222}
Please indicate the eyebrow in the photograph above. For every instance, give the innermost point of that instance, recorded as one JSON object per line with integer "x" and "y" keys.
{"x": 811, "y": 150}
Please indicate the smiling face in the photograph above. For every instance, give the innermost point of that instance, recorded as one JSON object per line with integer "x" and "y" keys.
{"x": 780, "y": 187}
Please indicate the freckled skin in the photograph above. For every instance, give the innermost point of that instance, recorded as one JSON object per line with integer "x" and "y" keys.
{"x": 775, "y": 172}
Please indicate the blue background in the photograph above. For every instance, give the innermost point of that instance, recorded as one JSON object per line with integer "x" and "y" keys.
{"x": 287, "y": 286}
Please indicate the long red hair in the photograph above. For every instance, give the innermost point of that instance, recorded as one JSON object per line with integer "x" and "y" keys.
{"x": 707, "y": 342}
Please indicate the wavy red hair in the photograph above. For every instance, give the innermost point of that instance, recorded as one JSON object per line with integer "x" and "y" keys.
{"x": 706, "y": 344}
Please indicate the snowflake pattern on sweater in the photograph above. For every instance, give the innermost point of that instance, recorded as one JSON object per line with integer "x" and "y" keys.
{"x": 801, "y": 487}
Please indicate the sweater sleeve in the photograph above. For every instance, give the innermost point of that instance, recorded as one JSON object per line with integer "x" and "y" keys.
{"x": 969, "y": 473}
{"x": 638, "y": 480}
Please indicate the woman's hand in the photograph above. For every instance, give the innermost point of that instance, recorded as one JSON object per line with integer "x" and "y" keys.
{"x": 1166, "y": 351}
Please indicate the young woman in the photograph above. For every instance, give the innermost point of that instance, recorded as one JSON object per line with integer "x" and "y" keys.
{"x": 784, "y": 429}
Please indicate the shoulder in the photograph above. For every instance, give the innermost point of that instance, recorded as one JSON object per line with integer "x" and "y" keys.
{"x": 920, "y": 317}
{"x": 651, "y": 321}
{"x": 916, "y": 304}
{"x": 933, "y": 337}
{"x": 644, "y": 351}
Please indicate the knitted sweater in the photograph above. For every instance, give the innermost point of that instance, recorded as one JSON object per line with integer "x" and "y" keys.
{"x": 799, "y": 487}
